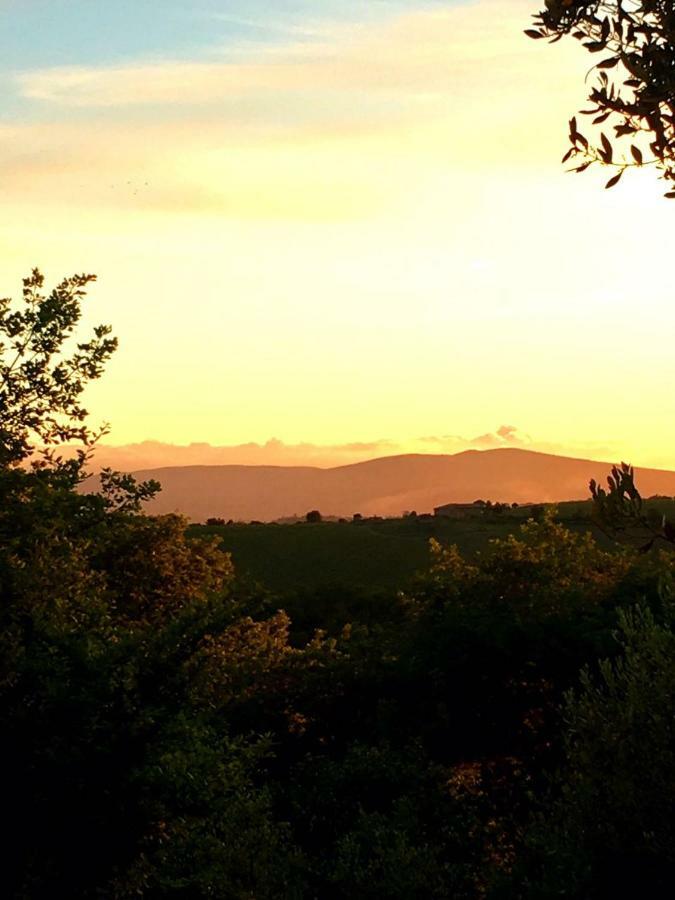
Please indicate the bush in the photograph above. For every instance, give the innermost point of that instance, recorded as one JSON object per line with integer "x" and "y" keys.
{"x": 611, "y": 831}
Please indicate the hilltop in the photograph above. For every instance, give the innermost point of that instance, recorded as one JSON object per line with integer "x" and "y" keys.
{"x": 385, "y": 486}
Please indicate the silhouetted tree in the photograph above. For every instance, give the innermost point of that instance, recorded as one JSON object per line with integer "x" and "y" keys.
{"x": 117, "y": 783}
{"x": 620, "y": 512}
{"x": 633, "y": 88}
{"x": 41, "y": 377}
{"x": 313, "y": 516}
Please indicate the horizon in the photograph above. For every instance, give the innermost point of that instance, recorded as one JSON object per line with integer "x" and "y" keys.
{"x": 149, "y": 454}
{"x": 386, "y": 486}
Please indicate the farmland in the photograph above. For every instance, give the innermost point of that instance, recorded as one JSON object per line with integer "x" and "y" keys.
{"x": 375, "y": 553}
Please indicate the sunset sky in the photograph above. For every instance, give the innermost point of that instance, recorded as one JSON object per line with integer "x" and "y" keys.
{"x": 332, "y": 222}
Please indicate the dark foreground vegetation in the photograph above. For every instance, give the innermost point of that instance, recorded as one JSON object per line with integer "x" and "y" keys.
{"x": 169, "y": 732}
{"x": 502, "y": 728}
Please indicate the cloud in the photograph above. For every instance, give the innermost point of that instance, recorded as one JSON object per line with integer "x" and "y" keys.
{"x": 353, "y": 124}
{"x": 504, "y": 436}
{"x": 274, "y": 452}
{"x": 508, "y": 432}
{"x": 418, "y": 55}
{"x": 264, "y": 28}
{"x": 511, "y": 436}
{"x": 156, "y": 454}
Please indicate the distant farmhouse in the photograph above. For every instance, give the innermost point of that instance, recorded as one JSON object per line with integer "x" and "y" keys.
{"x": 481, "y": 508}
{"x": 459, "y": 510}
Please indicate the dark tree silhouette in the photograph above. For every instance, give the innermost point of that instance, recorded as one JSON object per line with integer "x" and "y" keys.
{"x": 620, "y": 512}
{"x": 43, "y": 371}
{"x": 631, "y": 86}
{"x": 41, "y": 377}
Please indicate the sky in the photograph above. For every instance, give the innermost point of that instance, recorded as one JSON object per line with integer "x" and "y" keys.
{"x": 335, "y": 225}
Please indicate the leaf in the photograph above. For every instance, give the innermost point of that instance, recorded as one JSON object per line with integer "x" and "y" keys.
{"x": 614, "y": 180}
{"x": 579, "y": 138}
{"x": 637, "y": 154}
{"x": 531, "y": 33}
{"x": 608, "y": 63}
{"x": 670, "y": 195}
{"x": 607, "y": 147}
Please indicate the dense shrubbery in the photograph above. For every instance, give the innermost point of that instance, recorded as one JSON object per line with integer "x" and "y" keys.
{"x": 170, "y": 732}
{"x": 167, "y": 735}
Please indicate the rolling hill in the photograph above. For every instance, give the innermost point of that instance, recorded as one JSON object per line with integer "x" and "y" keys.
{"x": 385, "y": 486}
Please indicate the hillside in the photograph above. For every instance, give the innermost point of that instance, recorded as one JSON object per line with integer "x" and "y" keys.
{"x": 376, "y": 554}
{"x": 385, "y": 486}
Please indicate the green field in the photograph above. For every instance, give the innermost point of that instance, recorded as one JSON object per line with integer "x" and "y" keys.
{"x": 374, "y": 554}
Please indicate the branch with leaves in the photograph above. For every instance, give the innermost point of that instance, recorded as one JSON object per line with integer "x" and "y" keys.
{"x": 42, "y": 376}
{"x": 620, "y": 512}
{"x": 43, "y": 372}
{"x": 631, "y": 87}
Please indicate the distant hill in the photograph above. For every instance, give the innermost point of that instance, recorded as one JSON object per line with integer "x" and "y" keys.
{"x": 385, "y": 486}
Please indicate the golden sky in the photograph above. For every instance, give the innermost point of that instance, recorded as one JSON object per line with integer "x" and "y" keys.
{"x": 352, "y": 230}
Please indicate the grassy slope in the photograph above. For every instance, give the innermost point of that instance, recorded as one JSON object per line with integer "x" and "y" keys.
{"x": 372, "y": 554}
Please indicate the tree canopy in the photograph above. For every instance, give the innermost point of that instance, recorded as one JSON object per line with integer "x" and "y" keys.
{"x": 631, "y": 87}
{"x": 41, "y": 377}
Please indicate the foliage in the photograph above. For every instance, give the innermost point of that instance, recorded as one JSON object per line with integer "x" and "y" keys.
{"x": 633, "y": 89}
{"x": 612, "y": 830}
{"x": 167, "y": 737}
{"x": 543, "y": 569}
{"x": 40, "y": 381}
{"x": 388, "y": 822}
{"x": 119, "y": 782}
{"x": 122, "y": 778}
{"x": 622, "y": 513}
{"x": 370, "y": 557}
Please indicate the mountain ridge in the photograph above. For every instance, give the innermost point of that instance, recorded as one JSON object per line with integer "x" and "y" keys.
{"x": 384, "y": 486}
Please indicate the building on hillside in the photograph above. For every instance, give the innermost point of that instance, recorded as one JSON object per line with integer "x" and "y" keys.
{"x": 486, "y": 507}
{"x": 459, "y": 510}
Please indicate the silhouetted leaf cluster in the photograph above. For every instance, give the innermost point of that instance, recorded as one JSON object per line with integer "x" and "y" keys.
{"x": 41, "y": 380}
{"x": 619, "y": 510}
{"x": 632, "y": 89}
